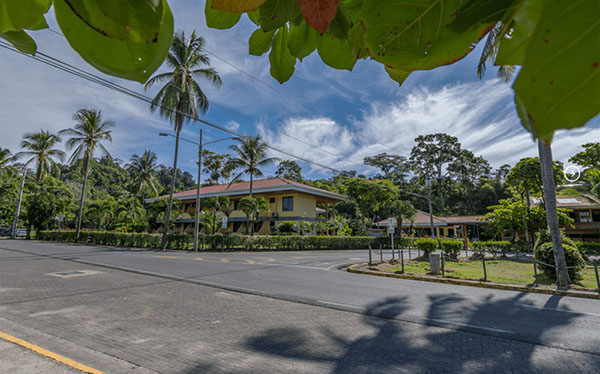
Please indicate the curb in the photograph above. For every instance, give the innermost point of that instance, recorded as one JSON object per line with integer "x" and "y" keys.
{"x": 472, "y": 283}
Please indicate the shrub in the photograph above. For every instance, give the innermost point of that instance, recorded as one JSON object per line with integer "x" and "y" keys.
{"x": 545, "y": 254}
{"x": 589, "y": 248}
{"x": 494, "y": 247}
{"x": 427, "y": 245}
{"x": 451, "y": 247}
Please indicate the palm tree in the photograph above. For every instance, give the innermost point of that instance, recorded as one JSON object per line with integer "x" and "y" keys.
{"x": 39, "y": 146}
{"x": 5, "y": 158}
{"x": 252, "y": 206}
{"x": 86, "y": 137}
{"x": 251, "y": 154}
{"x": 591, "y": 180}
{"x": 145, "y": 168}
{"x": 181, "y": 97}
{"x": 401, "y": 209}
{"x": 215, "y": 204}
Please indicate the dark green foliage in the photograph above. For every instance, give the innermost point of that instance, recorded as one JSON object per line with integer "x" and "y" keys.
{"x": 451, "y": 247}
{"x": 589, "y": 248}
{"x": 493, "y": 247}
{"x": 427, "y": 245}
{"x": 544, "y": 254}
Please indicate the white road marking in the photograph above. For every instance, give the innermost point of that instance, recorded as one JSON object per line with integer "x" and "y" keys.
{"x": 558, "y": 310}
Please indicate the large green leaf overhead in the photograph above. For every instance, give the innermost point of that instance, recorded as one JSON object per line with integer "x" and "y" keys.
{"x": 511, "y": 50}
{"x": 219, "y": 19}
{"x": 558, "y": 86}
{"x": 16, "y": 15}
{"x": 21, "y": 41}
{"x": 136, "y": 21}
{"x": 417, "y": 35}
{"x": 282, "y": 62}
{"x": 134, "y": 61}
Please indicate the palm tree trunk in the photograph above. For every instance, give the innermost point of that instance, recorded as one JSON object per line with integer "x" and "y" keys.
{"x": 562, "y": 275}
{"x": 163, "y": 243}
{"x": 80, "y": 215}
{"x": 250, "y": 184}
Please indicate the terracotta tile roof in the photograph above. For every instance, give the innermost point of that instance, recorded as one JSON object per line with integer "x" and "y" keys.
{"x": 241, "y": 186}
{"x": 422, "y": 218}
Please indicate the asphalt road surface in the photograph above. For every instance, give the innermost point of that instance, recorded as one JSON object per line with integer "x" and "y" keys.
{"x": 280, "y": 312}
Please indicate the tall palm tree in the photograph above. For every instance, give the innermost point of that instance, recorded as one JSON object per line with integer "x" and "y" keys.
{"x": 39, "y": 147}
{"x": 145, "y": 168}
{"x": 214, "y": 204}
{"x": 251, "y": 155}
{"x": 5, "y": 158}
{"x": 86, "y": 137}
{"x": 181, "y": 97}
{"x": 591, "y": 179}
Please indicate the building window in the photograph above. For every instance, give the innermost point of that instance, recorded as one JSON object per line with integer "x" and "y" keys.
{"x": 287, "y": 204}
{"x": 584, "y": 216}
{"x": 272, "y": 200}
{"x": 236, "y": 204}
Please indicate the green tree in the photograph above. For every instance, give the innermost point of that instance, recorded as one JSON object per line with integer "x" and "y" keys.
{"x": 216, "y": 166}
{"x": 289, "y": 169}
{"x": 589, "y": 157}
{"x": 251, "y": 154}
{"x": 5, "y": 159}
{"x": 401, "y": 209}
{"x": 144, "y": 169}
{"x": 130, "y": 214}
{"x": 371, "y": 197}
{"x": 181, "y": 97}
{"x": 252, "y": 206}
{"x": 214, "y": 204}
{"x": 591, "y": 180}
{"x": 431, "y": 154}
{"x": 393, "y": 167}
{"x": 101, "y": 213}
{"x": 86, "y": 137}
{"x": 39, "y": 147}
{"x": 52, "y": 197}
{"x": 526, "y": 175}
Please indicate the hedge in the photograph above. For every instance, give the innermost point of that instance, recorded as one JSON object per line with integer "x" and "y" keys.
{"x": 589, "y": 248}
{"x": 494, "y": 247}
{"x": 228, "y": 242}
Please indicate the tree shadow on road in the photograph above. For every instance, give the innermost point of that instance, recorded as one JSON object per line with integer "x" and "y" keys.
{"x": 386, "y": 344}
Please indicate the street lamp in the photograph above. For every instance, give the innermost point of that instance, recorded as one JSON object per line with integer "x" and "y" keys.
{"x": 19, "y": 199}
{"x": 428, "y": 184}
{"x": 197, "y": 217}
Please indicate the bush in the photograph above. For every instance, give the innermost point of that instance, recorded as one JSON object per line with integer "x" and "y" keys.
{"x": 494, "y": 247}
{"x": 427, "y": 245}
{"x": 589, "y": 248}
{"x": 451, "y": 247}
{"x": 545, "y": 253}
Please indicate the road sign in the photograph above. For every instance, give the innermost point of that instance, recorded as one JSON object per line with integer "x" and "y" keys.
{"x": 224, "y": 223}
{"x": 391, "y": 227}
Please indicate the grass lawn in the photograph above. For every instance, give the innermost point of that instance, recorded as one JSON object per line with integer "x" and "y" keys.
{"x": 499, "y": 271}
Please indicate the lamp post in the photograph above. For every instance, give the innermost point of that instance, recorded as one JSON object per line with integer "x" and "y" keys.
{"x": 428, "y": 184}
{"x": 19, "y": 198}
{"x": 197, "y": 216}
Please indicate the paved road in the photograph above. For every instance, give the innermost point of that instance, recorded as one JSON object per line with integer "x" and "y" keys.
{"x": 541, "y": 330}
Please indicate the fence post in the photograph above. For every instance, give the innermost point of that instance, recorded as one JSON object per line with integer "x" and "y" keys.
{"x": 535, "y": 271}
{"x": 484, "y": 270}
{"x": 380, "y": 253}
{"x": 402, "y": 259}
{"x": 597, "y": 279}
{"x": 443, "y": 266}
{"x": 393, "y": 257}
{"x": 409, "y": 256}
{"x": 370, "y": 262}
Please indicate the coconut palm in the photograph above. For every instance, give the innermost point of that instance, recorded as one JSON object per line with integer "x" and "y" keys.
{"x": 214, "y": 204}
{"x": 181, "y": 97}
{"x": 591, "y": 179}
{"x": 87, "y": 137}
{"x": 251, "y": 155}
{"x": 39, "y": 147}
{"x": 252, "y": 206}
{"x": 144, "y": 167}
{"x": 5, "y": 158}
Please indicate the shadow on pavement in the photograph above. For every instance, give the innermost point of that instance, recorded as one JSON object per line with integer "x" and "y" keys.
{"x": 401, "y": 347}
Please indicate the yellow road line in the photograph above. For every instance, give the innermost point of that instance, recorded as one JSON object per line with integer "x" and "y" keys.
{"x": 223, "y": 259}
{"x": 54, "y": 356}
{"x": 166, "y": 256}
{"x": 198, "y": 258}
{"x": 251, "y": 262}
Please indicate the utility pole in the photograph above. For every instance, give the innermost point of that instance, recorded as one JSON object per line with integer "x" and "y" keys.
{"x": 197, "y": 217}
{"x": 428, "y": 184}
{"x": 18, "y": 209}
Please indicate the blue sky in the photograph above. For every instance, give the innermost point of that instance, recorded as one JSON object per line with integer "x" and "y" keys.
{"x": 348, "y": 115}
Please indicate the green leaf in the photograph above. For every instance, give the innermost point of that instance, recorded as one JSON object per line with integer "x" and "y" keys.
{"x": 260, "y": 42}
{"x": 335, "y": 52}
{"x": 254, "y": 16}
{"x": 282, "y": 62}
{"x": 302, "y": 40}
{"x": 482, "y": 11}
{"x": 17, "y": 15}
{"x": 276, "y": 13}
{"x": 237, "y": 6}
{"x": 511, "y": 50}
{"x": 340, "y": 25}
{"x": 416, "y": 36}
{"x": 134, "y": 61}
{"x": 127, "y": 20}
{"x": 356, "y": 36}
{"x": 558, "y": 85}
{"x": 397, "y": 75}
{"x": 219, "y": 19}
{"x": 21, "y": 41}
